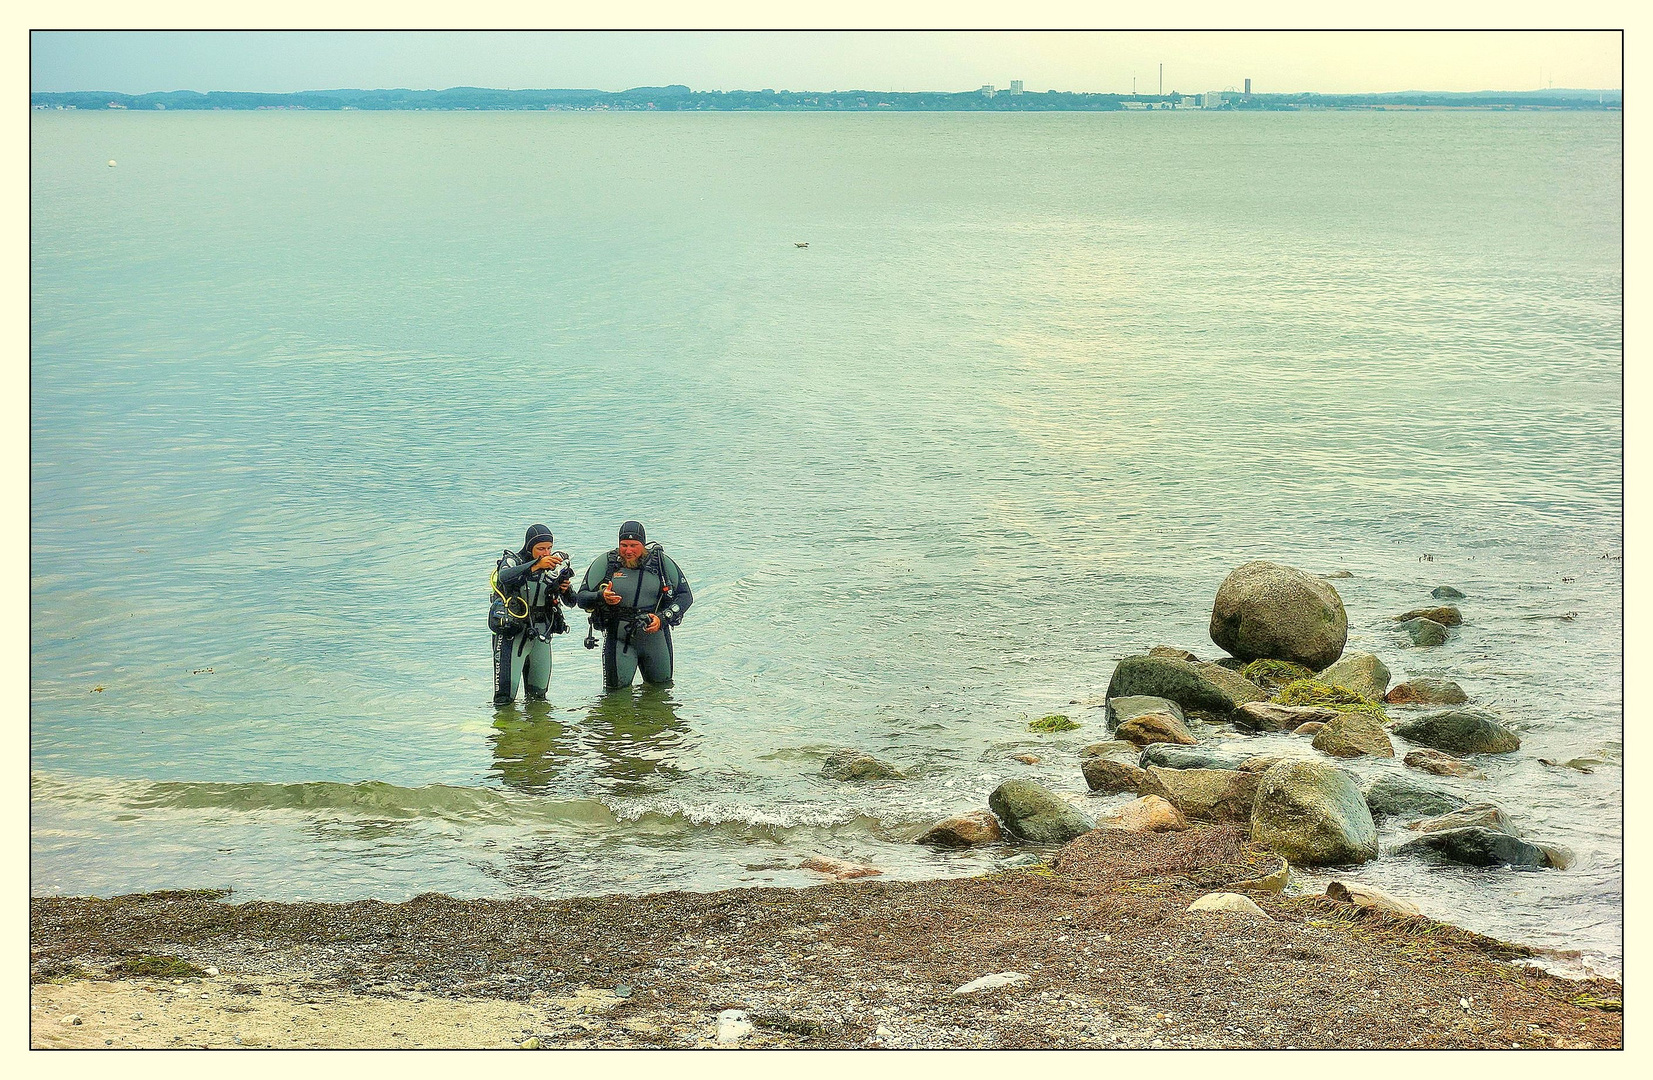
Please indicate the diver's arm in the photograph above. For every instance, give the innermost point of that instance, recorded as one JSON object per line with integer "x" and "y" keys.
{"x": 682, "y": 597}
{"x": 510, "y": 577}
{"x": 589, "y": 593}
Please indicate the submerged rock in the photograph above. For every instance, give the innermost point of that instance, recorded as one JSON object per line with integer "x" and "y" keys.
{"x": 1267, "y": 611}
{"x": 1228, "y": 903}
{"x": 1354, "y": 734}
{"x": 1147, "y": 814}
{"x": 1209, "y": 794}
{"x": 1483, "y": 815}
{"x": 1424, "y": 632}
{"x": 1264, "y": 716}
{"x": 837, "y": 868}
{"x": 1476, "y": 846}
{"x": 1361, "y": 672}
{"x": 1188, "y": 685}
{"x": 1441, "y": 764}
{"x": 857, "y": 765}
{"x": 1398, "y": 795}
{"x": 1035, "y": 813}
{"x": 1427, "y": 691}
{"x": 1446, "y": 615}
{"x": 1171, "y": 756}
{"x": 964, "y": 830}
{"x": 1460, "y": 731}
{"x": 1445, "y": 592}
{"x": 1110, "y": 777}
{"x": 1371, "y": 897}
{"x": 1313, "y": 814}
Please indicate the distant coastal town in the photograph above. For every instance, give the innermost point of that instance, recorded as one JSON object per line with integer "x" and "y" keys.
{"x": 677, "y": 98}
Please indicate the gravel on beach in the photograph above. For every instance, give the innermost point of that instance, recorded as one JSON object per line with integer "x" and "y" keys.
{"x": 1111, "y": 956}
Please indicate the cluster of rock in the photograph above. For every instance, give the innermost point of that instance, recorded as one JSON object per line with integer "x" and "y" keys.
{"x": 1286, "y": 672}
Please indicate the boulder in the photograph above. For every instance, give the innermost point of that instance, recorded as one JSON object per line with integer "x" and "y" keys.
{"x": 1261, "y": 762}
{"x": 1110, "y": 777}
{"x": 1358, "y": 671}
{"x": 1266, "y": 611}
{"x": 1173, "y": 653}
{"x": 1121, "y": 709}
{"x": 1313, "y": 727}
{"x": 1209, "y": 794}
{"x": 964, "y": 830}
{"x": 1339, "y": 574}
{"x": 1313, "y": 814}
{"x": 1033, "y": 812}
{"x": 1482, "y": 815}
{"x": 1445, "y": 592}
{"x": 1427, "y": 691}
{"x": 1558, "y": 857}
{"x": 1433, "y": 761}
{"x": 1446, "y": 615}
{"x": 1146, "y": 728}
{"x": 1354, "y": 734}
{"x": 1177, "y": 680}
{"x": 1398, "y": 795}
{"x": 857, "y": 765}
{"x": 1228, "y": 903}
{"x": 1263, "y": 716}
{"x": 1118, "y": 748}
{"x": 1233, "y": 683}
{"x": 1424, "y": 632}
{"x": 1147, "y": 814}
{"x": 1476, "y": 846}
{"x": 1171, "y": 756}
{"x": 1460, "y": 731}
{"x": 1370, "y": 898}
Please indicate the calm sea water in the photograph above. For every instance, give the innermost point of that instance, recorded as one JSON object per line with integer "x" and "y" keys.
{"x": 1035, "y": 386}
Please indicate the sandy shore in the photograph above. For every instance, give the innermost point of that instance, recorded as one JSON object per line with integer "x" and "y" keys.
{"x": 1112, "y": 959}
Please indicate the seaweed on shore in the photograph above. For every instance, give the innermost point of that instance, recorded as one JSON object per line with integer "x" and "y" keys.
{"x": 159, "y": 967}
{"x": 1271, "y": 675}
{"x": 1327, "y": 695}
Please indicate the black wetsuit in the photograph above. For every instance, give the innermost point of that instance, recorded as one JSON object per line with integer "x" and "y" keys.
{"x": 656, "y": 586}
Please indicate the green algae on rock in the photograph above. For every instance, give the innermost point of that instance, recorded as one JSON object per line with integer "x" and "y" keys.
{"x": 1273, "y": 674}
{"x": 1053, "y": 723}
{"x": 1328, "y": 696}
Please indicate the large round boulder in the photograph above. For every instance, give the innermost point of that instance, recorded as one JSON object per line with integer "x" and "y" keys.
{"x": 1313, "y": 814}
{"x": 1460, "y": 731}
{"x": 1266, "y": 611}
{"x": 1035, "y": 813}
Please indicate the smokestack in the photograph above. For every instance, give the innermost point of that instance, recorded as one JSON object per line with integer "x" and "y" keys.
{"x": 1248, "y": 88}
{"x": 1162, "y": 80}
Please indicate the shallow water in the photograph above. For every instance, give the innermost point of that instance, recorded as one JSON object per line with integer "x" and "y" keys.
{"x": 1035, "y": 386}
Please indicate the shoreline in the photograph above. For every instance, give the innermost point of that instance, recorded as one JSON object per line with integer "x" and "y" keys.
{"x": 1111, "y": 956}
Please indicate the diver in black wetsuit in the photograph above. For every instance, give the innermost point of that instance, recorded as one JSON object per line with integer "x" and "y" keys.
{"x": 636, "y": 594}
{"x": 528, "y": 591}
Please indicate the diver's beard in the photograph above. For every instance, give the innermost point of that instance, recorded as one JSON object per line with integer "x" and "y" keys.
{"x": 630, "y": 564}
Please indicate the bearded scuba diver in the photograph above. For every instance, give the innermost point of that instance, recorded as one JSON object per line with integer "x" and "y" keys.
{"x": 636, "y": 593}
{"x": 529, "y": 586}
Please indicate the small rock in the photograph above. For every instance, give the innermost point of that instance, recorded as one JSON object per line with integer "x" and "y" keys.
{"x": 838, "y": 868}
{"x": 1313, "y": 727}
{"x": 1559, "y": 858}
{"x": 137, "y": 1016}
{"x": 964, "y": 830}
{"x": 1174, "y": 654}
{"x": 992, "y": 982}
{"x": 1446, "y": 615}
{"x": 530, "y": 1043}
{"x": 1361, "y": 672}
{"x": 1367, "y": 896}
{"x": 732, "y": 1026}
{"x": 1110, "y": 777}
{"x": 1149, "y": 728}
{"x": 1147, "y": 814}
{"x": 1025, "y": 759}
{"x": 1484, "y": 815}
{"x": 1034, "y": 813}
{"x": 1354, "y": 734}
{"x": 1399, "y": 795}
{"x": 212, "y": 972}
{"x": 1228, "y": 902}
{"x": 1424, "y": 632}
{"x": 1121, "y": 709}
{"x": 1445, "y": 592}
{"x": 857, "y": 765}
{"x": 72, "y": 1020}
{"x": 1117, "y": 748}
{"x": 1338, "y": 574}
{"x": 1267, "y": 716}
{"x": 1017, "y": 862}
{"x": 1427, "y": 691}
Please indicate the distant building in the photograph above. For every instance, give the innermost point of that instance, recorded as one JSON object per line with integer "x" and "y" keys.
{"x": 1015, "y": 86}
{"x": 1190, "y": 101}
{"x": 987, "y": 91}
{"x": 1214, "y": 99}
{"x": 1248, "y": 88}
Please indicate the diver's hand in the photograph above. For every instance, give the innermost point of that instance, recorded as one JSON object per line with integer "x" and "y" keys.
{"x": 653, "y": 626}
{"x": 610, "y": 597}
{"x": 547, "y": 562}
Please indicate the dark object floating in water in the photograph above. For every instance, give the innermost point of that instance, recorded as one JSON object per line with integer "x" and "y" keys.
{"x": 803, "y": 244}
{"x": 1565, "y": 616}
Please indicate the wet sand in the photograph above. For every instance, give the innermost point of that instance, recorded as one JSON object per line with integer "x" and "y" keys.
{"x": 1112, "y": 959}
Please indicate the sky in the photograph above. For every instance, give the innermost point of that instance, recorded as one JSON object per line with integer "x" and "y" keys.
{"x": 136, "y": 62}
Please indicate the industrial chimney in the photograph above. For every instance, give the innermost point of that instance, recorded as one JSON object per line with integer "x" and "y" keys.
{"x": 1248, "y": 88}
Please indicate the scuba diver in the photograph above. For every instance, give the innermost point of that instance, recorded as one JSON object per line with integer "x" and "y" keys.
{"x": 528, "y": 590}
{"x": 635, "y": 594}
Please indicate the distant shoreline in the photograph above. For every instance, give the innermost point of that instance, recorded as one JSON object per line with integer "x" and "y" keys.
{"x": 682, "y": 99}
